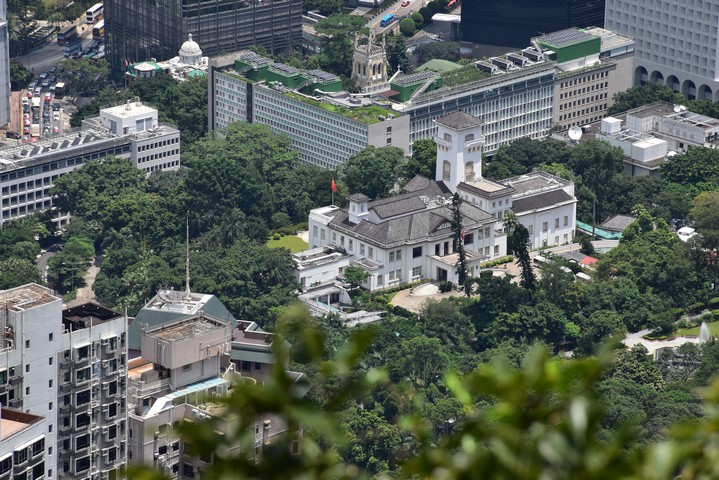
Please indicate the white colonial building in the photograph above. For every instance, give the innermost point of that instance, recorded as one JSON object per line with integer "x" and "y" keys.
{"x": 409, "y": 237}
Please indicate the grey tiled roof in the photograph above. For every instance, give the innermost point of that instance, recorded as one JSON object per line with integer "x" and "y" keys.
{"x": 459, "y": 120}
{"x": 415, "y": 227}
{"x": 617, "y": 223}
{"x": 359, "y": 197}
{"x": 399, "y": 207}
{"x": 543, "y": 200}
{"x": 406, "y": 219}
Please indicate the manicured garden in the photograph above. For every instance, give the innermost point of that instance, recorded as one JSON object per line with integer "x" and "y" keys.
{"x": 291, "y": 242}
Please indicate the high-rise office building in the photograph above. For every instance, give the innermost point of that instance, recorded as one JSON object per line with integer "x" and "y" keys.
{"x": 138, "y": 29}
{"x": 676, "y": 42}
{"x": 512, "y": 23}
{"x": 4, "y": 66}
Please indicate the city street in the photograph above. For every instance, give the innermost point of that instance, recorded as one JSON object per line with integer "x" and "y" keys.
{"x": 51, "y": 54}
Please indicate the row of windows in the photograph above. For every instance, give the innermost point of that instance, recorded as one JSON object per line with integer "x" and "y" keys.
{"x": 25, "y": 209}
{"x": 26, "y": 172}
{"x": 162, "y": 143}
{"x": 579, "y": 81}
{"x": 22, "y": 186}
{"x": 155, "y": 168}
{"x": 583, "y": 101}
{"x": 584, "y": 111}
{"x": 25, "y": 197}
{"x": 157, "y": 156}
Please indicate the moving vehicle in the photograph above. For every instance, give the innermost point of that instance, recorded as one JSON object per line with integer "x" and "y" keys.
{"x": 35, "y": 130}
{"x": 71, "y": 49}
{"x": 387, "y": 20}
{"x": 94, "y": 14}
{"x": 406, "y": 3}
{"x": 59, "y": 90}
{"x": 98, "y": 31}
{"x": 67, "y": 35}
{"x": 13, "y": 135}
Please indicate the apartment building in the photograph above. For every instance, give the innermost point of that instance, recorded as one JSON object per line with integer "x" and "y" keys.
{"x": 67, "y": 367}
{"x": 184, "y": 364}
{"x": 131, "y": 130}
{"x": 326, "y": 124}
{"x": 158, "y": 31}
{"x": 676, "y": 42}
{"x": 22, "y": 445}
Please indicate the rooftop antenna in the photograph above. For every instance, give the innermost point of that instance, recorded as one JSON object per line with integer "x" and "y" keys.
{"x": 575, "y": 133}
{"x": 187, "y": 259}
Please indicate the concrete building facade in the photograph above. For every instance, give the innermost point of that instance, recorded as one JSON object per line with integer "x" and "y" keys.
{"x": 22, "y": 445}
{"x": 677, "y": 42}
{"x": 592, "y": 66}
{"x": 326, "y": 124}
{"x": 132, "y": 130}
{"x": 52, "y": 365}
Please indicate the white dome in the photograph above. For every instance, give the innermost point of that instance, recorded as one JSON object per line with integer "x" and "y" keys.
{"x": 190, "y": 48}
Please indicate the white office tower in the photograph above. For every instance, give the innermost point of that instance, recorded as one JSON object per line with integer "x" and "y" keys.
{"x": 4, "y": 66}
{"x": 68, "y": 369}
{"x": 675, "y": 42}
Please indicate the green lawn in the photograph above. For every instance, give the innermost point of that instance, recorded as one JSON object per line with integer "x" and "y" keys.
{"x": 713, "y": 329}
{"x": 290, "y": 242}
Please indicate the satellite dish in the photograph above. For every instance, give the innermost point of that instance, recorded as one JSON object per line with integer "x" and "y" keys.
{"x": 677, "y": 108}
{"x": 682, "y": 108}
{"x": 671, "y": 153}
{"x": 575, "y": 133}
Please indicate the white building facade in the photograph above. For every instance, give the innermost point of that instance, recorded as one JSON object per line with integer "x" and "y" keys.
{"x": 28, "y": 172}
{"x": 52, "y": 366}
{"x": 409, "y": 237}
{"x": 676, "y": 42}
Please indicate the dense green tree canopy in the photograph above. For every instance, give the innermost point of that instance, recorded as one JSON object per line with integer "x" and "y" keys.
{"x": 373, "y": 171}
{"x": 85, "y": 76}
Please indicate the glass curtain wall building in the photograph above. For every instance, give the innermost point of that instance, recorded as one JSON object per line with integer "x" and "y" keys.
{"x": 158, "y": 28}
{"x": 512, "y": 23}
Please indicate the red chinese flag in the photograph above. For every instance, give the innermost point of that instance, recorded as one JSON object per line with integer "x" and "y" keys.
{"x": 334, "y": 186}
{"x": 463, "y": 232}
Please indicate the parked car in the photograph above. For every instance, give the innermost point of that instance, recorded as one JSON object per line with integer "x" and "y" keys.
{"x": 56, "y": 106}
{"x": 52, "y": 69}
{"x": 55, "y": 129}
{"x": 405, "y": 3}
{"x": 13, "y": 135}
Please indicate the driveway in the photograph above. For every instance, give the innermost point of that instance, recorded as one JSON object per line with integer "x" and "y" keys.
{"x": 413, "y": 303}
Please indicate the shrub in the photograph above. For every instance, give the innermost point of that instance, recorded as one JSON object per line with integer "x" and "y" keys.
{"x": 418, "y": 20}
{"x": 696, "y": 307}
{"x": 402, "y": 312}
{"x": 445, "y": 286}
{"x": 276, "y": 236}
{"x": 407, "y": 27}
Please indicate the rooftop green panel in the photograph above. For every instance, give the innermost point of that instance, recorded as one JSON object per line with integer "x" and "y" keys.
{"x": 570, "y": 44}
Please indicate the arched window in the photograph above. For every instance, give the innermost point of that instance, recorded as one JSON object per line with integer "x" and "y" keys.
{"x": 446, "y": 169}
{"x": 469, "y": 171}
